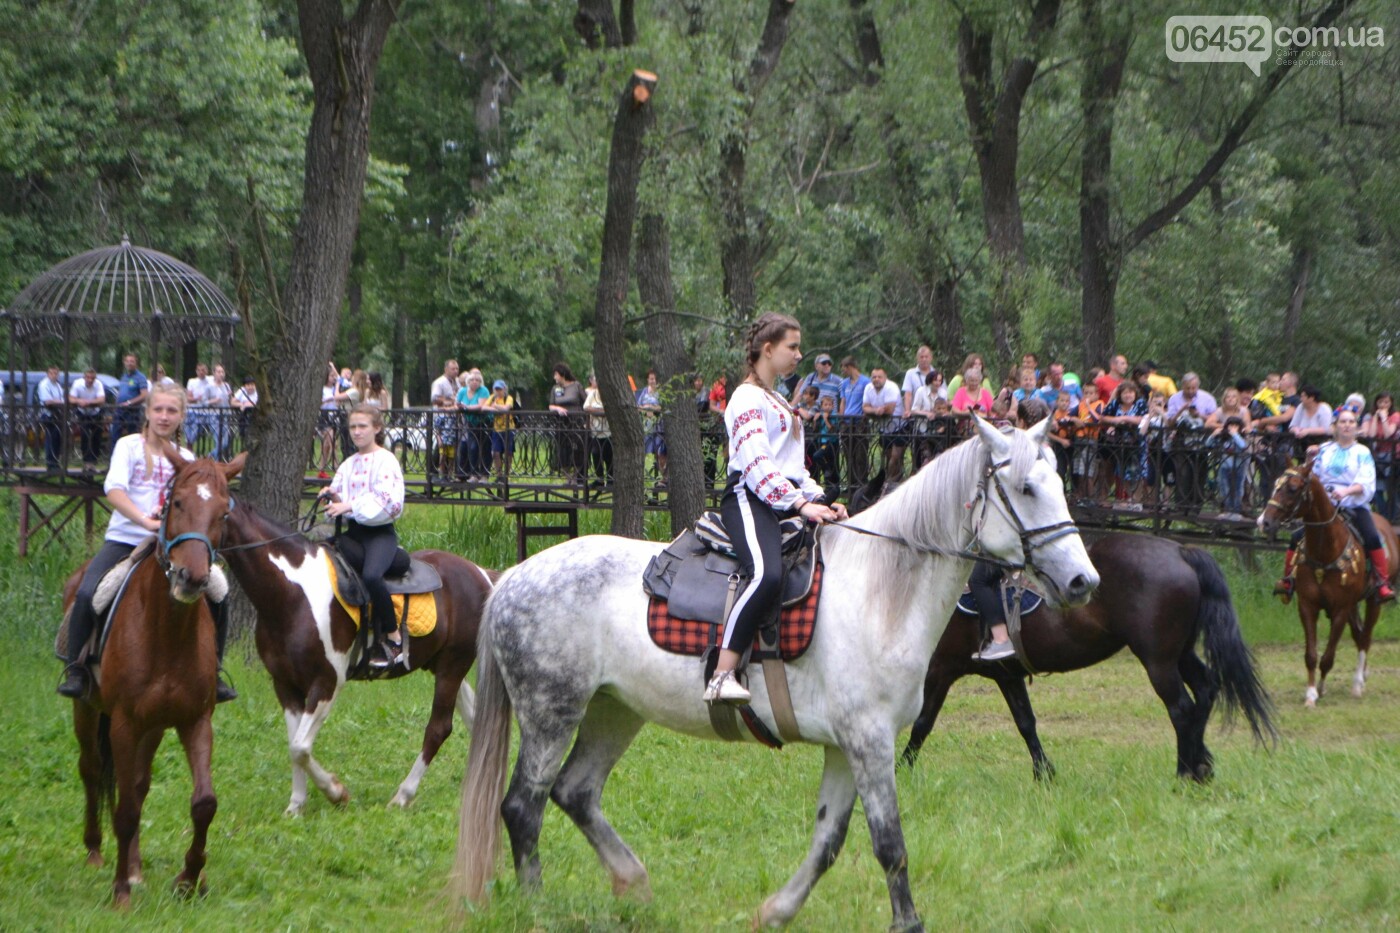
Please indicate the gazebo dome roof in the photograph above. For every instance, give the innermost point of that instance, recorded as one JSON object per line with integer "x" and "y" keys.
{"x": 120, "y": 289}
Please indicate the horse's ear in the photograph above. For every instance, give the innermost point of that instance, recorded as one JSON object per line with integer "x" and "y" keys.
{"x": 994, "y": 440}
{"x": 172, "y": 453}
{"x": 1039, "y": 431}
{"x": 234, "y": 466}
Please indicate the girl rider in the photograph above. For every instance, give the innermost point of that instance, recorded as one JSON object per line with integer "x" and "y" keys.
{"x": 368, "y": 490}
{"x": 135, "y": 487}
{"x": 1348, "y": 471}
{"x": 767, "y": 483}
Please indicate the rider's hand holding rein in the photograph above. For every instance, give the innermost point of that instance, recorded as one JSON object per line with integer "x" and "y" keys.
{"x": 819, "y": 513}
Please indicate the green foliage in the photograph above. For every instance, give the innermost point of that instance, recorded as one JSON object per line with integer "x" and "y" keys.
{"x": 144, "y": 119}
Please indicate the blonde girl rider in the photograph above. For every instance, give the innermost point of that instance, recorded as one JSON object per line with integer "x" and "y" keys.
{"x": 135, "y": 486}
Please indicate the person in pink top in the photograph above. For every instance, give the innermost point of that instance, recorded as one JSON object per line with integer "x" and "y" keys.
{"x": 972, "y": 396}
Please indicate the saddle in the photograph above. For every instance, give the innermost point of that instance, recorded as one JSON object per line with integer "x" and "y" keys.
{"x": 693, "y": 583}
{"x": 407, "y": 576}
{"x": 696, "y": 571}
{"x": 1030, "y": 600}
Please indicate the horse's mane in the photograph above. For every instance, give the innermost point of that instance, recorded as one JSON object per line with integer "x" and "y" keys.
{"x": 928, "y": 512}
{"x": 264, "y": 526}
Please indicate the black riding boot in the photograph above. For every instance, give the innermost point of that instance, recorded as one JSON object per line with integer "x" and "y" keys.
{"x": 77, "y": 679}
{"x": 223, "y": 692}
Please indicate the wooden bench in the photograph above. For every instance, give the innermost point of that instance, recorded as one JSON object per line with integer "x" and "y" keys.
{"x": 523, "y": 529}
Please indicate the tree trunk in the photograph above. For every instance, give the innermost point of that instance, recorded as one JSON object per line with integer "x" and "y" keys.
{"x": 341, "y": 56}
{"x": 1293, "y": 313}
{"x": 994, "y": 121}
{"x": 627, "y": 21}
{"x": 739, "y": 246}
{"x": 596, "y": 24}
{"x": 1099, "y": 261}
{"x": 685, "y": 476}
{"x": 399, "y": 361}
{"x": 634, "y": 116}
{"x": 936, "y": 279}
{"x": 355, "y": 305}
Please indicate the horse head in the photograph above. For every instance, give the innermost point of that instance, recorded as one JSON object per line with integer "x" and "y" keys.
{"x": 192, "y": 522}
{"x": 1291, "y": 497}
{"x": 1020, "y": 515}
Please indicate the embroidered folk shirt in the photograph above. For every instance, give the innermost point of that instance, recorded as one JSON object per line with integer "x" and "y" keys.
{"x": 373, "y": 485}
{"x": 766, "y": 449}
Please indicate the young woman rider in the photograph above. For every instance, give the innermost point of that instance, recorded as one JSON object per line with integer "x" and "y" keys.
{"x": 768, "y": 482}
{"x": 135, "y": 488}
{"x": 368, "y": 491}
{"x": 1348, "y": 472}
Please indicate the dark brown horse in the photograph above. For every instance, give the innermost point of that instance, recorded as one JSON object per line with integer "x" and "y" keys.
{"x": 1156, "y": 598}
{"x": 1332, "y": 574}
{"x": 157, "y": 672}
{"x": 304, "y": 638}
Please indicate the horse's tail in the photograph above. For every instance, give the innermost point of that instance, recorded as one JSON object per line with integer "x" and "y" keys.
{"x": 1228, "y": 657}
{"x": 483, "y": 788}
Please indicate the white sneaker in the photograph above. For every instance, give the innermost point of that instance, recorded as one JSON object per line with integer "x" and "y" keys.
{"x": 724, "y": 687}
{"x": 995, "y": 651}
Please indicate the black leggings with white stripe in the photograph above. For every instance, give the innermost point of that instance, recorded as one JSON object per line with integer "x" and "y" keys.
{"x": 753, "y": 531}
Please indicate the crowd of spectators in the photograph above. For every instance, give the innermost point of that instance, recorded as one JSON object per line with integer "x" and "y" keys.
{"x": 1124, "y": 436}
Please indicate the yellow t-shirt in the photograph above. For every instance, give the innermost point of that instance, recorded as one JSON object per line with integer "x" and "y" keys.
{"x": 504, "y": 421}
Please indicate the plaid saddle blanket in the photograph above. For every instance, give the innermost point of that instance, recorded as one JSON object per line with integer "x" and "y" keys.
{"x": 689, "y": 637}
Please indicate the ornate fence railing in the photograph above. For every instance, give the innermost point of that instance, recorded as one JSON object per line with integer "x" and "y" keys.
{"x": 1164, "y": 480}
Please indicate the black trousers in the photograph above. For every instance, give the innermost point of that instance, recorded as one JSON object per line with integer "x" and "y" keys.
{"x": 379, "y": 544}
{"x": 985, "y": 584}
{"x": 757, "y": 540}
{"x": 82, "y": 619}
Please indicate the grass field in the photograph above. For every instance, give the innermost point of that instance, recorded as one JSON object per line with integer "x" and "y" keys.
{"x": 1304, "y": 836}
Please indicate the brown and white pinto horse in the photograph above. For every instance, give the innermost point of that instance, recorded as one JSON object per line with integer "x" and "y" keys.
{"x": 1333, "y": 574}
{"x": 157, "y": 672}
{"x": 304, "y": 638}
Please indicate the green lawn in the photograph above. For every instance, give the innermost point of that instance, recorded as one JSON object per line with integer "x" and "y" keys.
{"x": 1302, "y": 836}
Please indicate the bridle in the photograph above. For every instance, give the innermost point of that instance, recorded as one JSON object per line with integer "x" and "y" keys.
{"x": 1305, "y": 497}
{"x": 165, "y": 544}
{"x": 1032, "y": 539}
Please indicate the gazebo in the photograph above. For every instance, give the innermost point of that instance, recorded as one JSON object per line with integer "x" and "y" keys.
{"x": 120, "y": 296}
{"x": 108, "y": 301}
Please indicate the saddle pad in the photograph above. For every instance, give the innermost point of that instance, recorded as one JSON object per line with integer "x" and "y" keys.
{"x": 684, "y": 636}
{"x": 422, "y": 612}
{"x": 1030, "y": 602}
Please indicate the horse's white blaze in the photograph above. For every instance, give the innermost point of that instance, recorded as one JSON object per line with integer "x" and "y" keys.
{"x": 204, "y": 492}
{"x": 315, "y": 582}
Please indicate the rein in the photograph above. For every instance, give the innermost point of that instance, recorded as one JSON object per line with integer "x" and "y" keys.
{"x": 1304, "y": 498}
{"x": 305, "y": 523}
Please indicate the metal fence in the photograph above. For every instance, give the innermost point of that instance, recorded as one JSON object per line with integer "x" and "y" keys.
{"x": 1166, "y": 477}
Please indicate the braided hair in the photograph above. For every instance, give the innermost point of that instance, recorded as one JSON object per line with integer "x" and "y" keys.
{"x": 770, "y": 327}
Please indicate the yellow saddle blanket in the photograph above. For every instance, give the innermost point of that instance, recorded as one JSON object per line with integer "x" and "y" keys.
{"x": 422, "y": 607}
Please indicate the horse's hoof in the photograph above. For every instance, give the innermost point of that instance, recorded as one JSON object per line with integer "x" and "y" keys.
{"x": 184, "y": 887}
{"x": 1357, "y": 690}
{"x": 1310, "y": 697}
{"x": 121, "y": 900}
{"x": 340, "y": 794}
{"x": 770, "y": 915}
{"x": 639, "y": 889}
{"x": 293, "y": 809}
{"x": 94, "y": 858}
{"x": 400, "y": 800}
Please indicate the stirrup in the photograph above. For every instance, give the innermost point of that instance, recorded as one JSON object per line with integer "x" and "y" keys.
{"x": 385, "y": 655}
{"x": 77, "y": 681}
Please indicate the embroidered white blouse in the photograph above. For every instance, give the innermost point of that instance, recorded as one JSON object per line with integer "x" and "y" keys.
{"x": 766, "y": 449}
{"x": 128, "y": 473}
{"x": 373, "y": 485}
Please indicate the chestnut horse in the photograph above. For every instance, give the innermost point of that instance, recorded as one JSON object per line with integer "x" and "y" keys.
{"x": 1156, "y": 598}
{"x": 1331, "y": 575}
{"x": 157, "y": 672}
{"x": 304, "y": 638}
